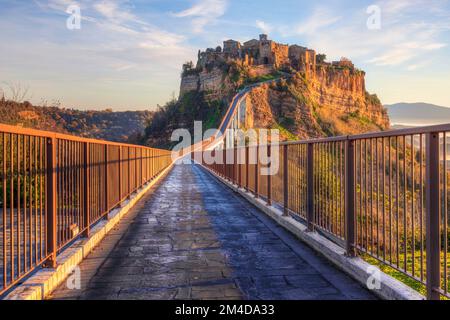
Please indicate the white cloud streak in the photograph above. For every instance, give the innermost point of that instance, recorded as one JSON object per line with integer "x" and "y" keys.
{"x": 203, "y": 13}
{"x": 264, "y": 26}
{"x": 320, "y": 18}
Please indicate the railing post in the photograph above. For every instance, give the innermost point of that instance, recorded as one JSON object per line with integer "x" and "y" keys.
{"x": 106, "y": 181}
{"x": 235, "y": 166}
{"x": 257, "y": 173}
{"x": 246, "y": 167}
{"x": 269, "y": 177}
{"x": 224, "y": 162}
{"x": 51, "y": 203}
{"x": 239, "y": 168}
{"x": 350, "y": 198}
{"x": 120, "y": 173}
{"x": 285, "y": 181}
{"x": 136, "y": 173}
{"x": 432, "y": 216}
{"x": 142, "y": 168}
{"x": 310, "y": 187}
{"x": 86, "y": 173}
{"x": 129, "y": 172}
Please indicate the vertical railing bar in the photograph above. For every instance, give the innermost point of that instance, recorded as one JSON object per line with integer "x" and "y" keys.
{"x": 4, "y": 178}
{"x": 257, "y": 172}
{"x": 405, "y": 208}
{"x": 24, "y": 203}
{"x": 269, "y": 176}
{"x": 350, "y": 199}
{"x": 41, "y": 151}
{"x": 371, "y": 155}
{"x": 35, "y": 202}
{"x": 310, "y": 186}
{"x": 106, "y": 156}
{"x": 19, "y": 222}
{"x": 377, "y": 199}
{"x": 444, "y": 213}
{"x": 51, "y": 202}
{"x": 383, "y": 201}
{"x": 285, "y": 180}
{"x": 397, "y": 202}
{"x": 246, "y": 167}
{"x": 86, "y": 188}
{"x": 390, "y": 197}
{"x": 421, "y": 207}
{"x": 11, "y": 208}
{"x": 433, "y": 216}
{"x": 413, "y": 193}
{"x": 120, "y": 174}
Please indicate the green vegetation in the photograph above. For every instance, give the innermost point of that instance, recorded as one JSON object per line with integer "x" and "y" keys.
{"x": 320, "y": 58}
{"x": 107, "y": 125}
{"x": 192, "y": 106}
{"x": 372, "y": 99}
{"x": 415, "y": 284}
{"x": 252, "y": 80}
{"x": 189, "y": 69}
{"x": 285, "y": 132}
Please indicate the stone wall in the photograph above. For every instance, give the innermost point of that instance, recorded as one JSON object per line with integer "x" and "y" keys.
{"x": 261, "y": 70}
{"x": 189, "y": 83}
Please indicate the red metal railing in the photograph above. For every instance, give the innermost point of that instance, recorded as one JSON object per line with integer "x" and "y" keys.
{"x": 384, "y": 195}
{"x": 54, "y": 187}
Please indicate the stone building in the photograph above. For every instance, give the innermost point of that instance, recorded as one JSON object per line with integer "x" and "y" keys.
{"x": 253, "y": 52}
{"x": 232, "y": 48}
{"x": 302, "y": 59}
{"x": 344, "y": 62}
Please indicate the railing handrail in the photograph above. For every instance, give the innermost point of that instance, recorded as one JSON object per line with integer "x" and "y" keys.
{"x": 5, "y": 128}
{"x": 62, "y": 185}
{"x": 368, "y": 135}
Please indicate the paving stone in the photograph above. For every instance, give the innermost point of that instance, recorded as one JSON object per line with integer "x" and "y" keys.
{"x": 193, "y": 238}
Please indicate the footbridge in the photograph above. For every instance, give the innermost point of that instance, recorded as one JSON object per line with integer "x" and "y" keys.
{"x": 352, "y": 217}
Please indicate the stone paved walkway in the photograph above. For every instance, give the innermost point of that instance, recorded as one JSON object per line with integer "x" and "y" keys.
{"x": 193, "y": 238}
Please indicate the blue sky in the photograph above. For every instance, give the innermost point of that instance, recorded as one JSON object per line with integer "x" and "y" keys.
{"x": 128, "y": 53}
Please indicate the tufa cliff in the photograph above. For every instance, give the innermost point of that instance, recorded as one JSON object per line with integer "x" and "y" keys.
{"x": 314, "y": 98}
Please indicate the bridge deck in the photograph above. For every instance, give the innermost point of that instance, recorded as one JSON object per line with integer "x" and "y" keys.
{"x": 193, "y": 238}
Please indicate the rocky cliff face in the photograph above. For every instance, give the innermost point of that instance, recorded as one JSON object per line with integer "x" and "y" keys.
{"x": 334, "y": 103}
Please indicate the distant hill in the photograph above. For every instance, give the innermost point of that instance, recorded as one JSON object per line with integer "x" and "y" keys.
{"x": 416, "y": 114}
{"x": 124, "y": 126}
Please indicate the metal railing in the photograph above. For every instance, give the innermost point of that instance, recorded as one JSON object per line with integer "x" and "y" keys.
{"x": 384, "y": 195}
{"x": 55, "y": 187}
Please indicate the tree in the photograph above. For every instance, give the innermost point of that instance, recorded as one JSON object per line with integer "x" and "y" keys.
{"x": 188, "y": 67}
{"x": 320, "y": 58}
{"x": 18, "y": 92}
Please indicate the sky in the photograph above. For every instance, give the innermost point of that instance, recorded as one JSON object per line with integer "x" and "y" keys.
{"x": 127, "y": 54}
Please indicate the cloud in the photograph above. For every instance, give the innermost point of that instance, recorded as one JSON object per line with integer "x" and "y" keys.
{"x": 203, "y": 13}
{"x": 402, "y": 37}
{"x": 418, "y": 65}
{"x": 264, "y": 26}
{"x": 320, "y": 18}
{"x": 113, "y": 11}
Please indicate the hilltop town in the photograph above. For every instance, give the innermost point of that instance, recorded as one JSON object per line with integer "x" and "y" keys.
{"x": 313, "y": 98}
{"x": 258, "y": 58}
